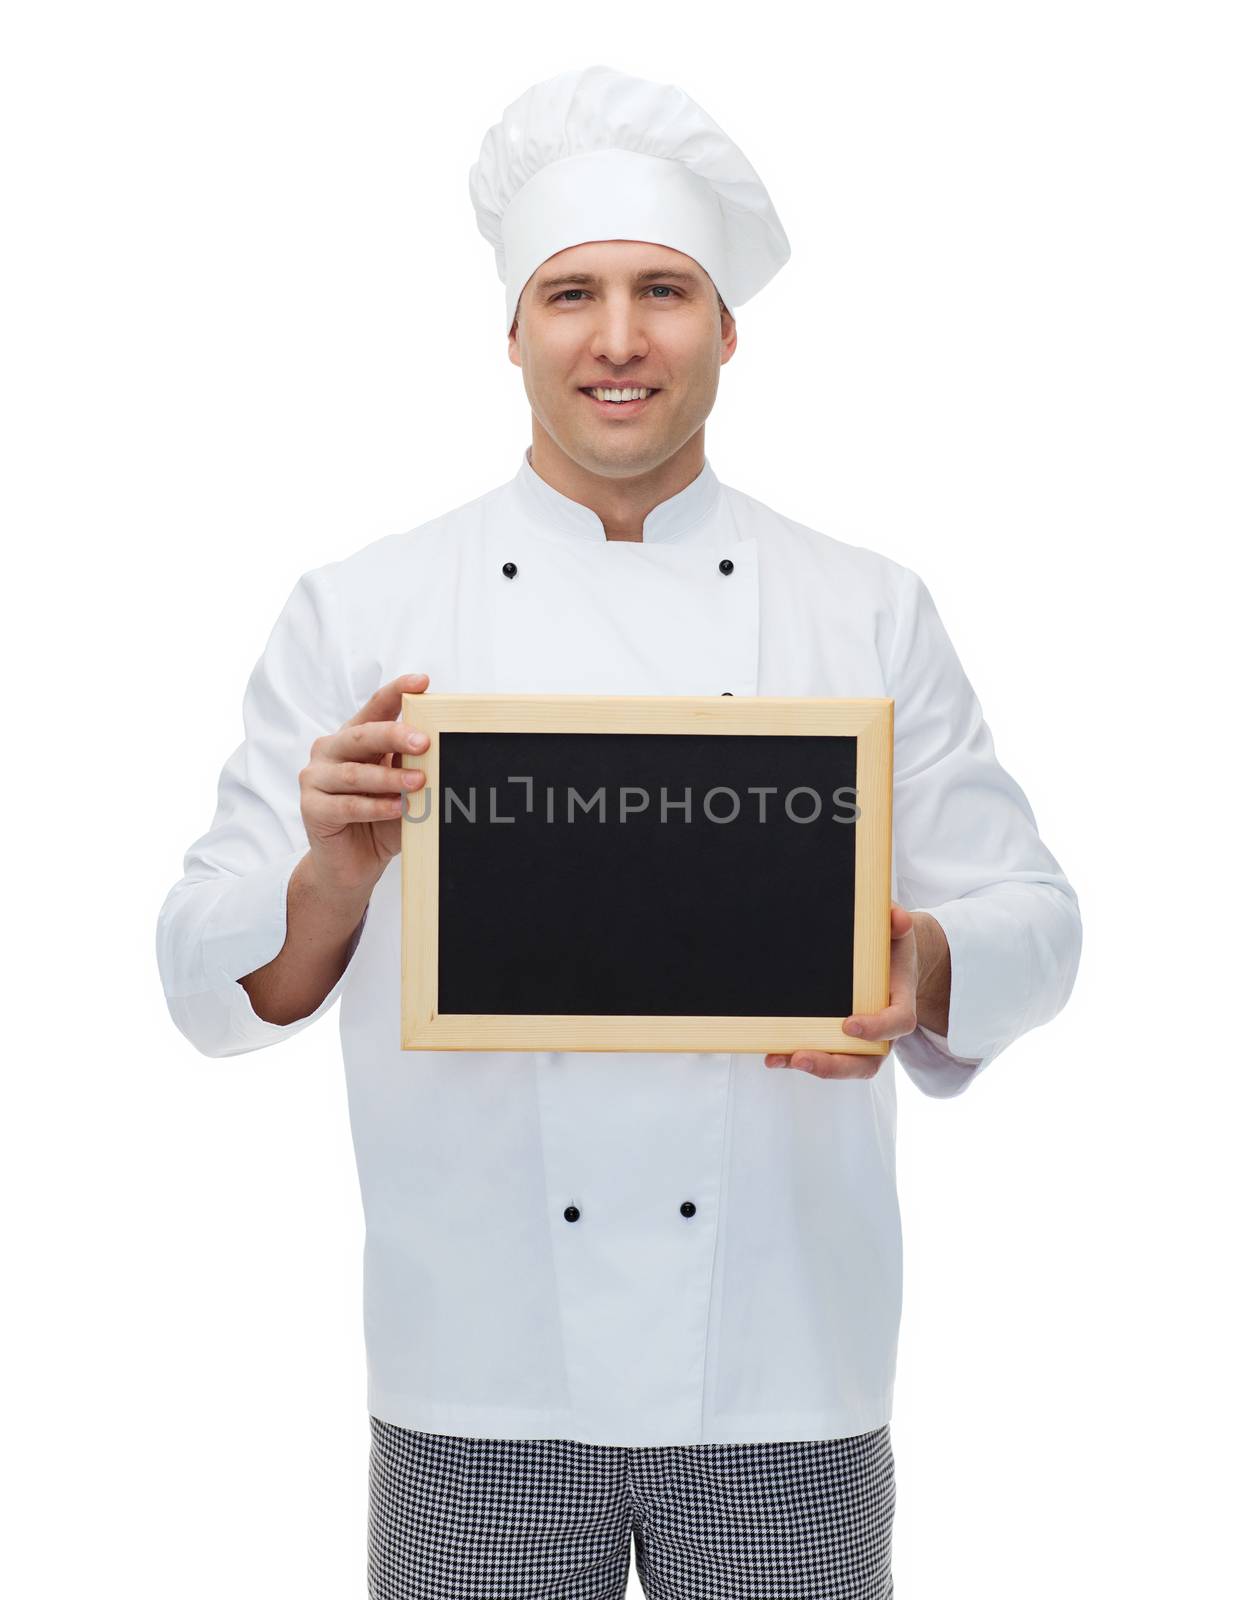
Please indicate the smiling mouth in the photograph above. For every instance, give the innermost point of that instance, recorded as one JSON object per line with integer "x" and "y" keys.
{"x": 619, "y": 407}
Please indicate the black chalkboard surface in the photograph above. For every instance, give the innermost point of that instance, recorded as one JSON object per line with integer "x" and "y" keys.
{"x": 645, "y": 873}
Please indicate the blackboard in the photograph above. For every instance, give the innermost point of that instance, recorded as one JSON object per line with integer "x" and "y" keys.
{"x": 601, "y": 872}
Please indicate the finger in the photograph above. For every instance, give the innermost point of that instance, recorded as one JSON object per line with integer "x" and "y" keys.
{"x": 897, "y": 1018}
{"x": 385, "y": 703}
{"x": 363, "y": 777}
{"x": 823, "y": 1065}
{"x": 367, "y": 741}
{"x": 828, "y": 1064}
{"x": 329, "y": 811}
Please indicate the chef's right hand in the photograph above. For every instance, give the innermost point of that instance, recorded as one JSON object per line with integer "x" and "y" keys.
{"x": 354, "y": 790}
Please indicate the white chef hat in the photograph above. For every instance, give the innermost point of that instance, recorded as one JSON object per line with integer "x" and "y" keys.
{"x": 596, "y": 154}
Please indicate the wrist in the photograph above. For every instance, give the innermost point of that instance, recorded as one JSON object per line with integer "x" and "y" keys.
{"x": 934, "y": 973}
{"x": 344, "y": 899}
{"x": 931, "y": 944}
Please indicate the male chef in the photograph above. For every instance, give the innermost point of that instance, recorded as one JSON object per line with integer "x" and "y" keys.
{"x": 616, "y": 1297}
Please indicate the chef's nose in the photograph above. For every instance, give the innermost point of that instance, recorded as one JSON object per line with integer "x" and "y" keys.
{"x": 619, "y": 336}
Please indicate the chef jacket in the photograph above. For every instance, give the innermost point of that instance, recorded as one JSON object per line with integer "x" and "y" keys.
{"x": 616, "y": 1247}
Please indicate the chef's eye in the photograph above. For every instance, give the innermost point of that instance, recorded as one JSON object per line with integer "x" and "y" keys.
{"x": 668, "y": 292}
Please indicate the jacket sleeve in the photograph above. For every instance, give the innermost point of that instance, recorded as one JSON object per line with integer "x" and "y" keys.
{"x": 967, "y": 850}
{"x": 227, "y": 915}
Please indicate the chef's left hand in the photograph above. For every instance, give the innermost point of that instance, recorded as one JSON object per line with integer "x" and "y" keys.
{"x": 898, "y": 1017}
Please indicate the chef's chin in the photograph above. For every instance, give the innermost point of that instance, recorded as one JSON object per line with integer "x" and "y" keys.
{"x": 618, "y": 449}
{"x": 617, "y": 458}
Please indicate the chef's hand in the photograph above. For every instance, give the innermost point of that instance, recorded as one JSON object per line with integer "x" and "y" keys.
{"x": 354, "y": 790}
{"x": 898, "y": 1017}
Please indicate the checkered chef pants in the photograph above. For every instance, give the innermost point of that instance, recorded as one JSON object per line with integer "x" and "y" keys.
{"x": 453, "y": 1518}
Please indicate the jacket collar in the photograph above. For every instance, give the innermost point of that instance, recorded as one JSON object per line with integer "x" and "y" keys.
{"x": 668, "y": 522}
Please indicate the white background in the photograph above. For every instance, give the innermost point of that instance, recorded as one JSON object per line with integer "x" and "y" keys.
{"x": 249, "y": 327}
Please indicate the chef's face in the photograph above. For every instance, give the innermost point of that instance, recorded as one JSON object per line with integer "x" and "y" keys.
{"x": 621, "y": 314}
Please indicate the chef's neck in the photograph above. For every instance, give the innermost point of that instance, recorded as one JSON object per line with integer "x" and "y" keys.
{"x": 620, "y": 503}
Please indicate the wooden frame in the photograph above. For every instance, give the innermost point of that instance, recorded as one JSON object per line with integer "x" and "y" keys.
{"x": 869, "y": 721}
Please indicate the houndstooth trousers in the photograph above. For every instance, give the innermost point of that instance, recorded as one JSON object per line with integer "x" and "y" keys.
{"x": 454, "y": 1518}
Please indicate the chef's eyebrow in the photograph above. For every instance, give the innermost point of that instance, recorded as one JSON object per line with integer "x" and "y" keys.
{"x": 582, "y": 279}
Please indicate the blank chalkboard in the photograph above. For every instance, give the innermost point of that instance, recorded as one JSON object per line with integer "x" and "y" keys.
{"x": 655, "y": 872}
